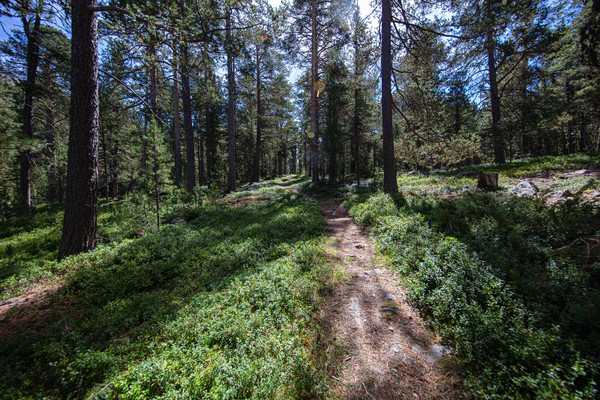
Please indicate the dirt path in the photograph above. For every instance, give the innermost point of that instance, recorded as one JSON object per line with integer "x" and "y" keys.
{"x": 379, "y": 348}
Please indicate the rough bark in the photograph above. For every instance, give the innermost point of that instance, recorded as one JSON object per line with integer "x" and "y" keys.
{"x": 257, "y": 149}
{"x": 499, "y": 152}
{"x": 314, "y": 107}
{"x": 201, "y": 180}
{"x": 390, "y": 184}
{"x": 188, "y": 132}
{"x": 293, "y": 160}
{"x": 114, "y": 165}
{"x": 210, "y": 148}
{"x": 231, "y": 179}
{"x": 81, "y": 205}
{"x": 176, "y": 122}
{"x": 356, "y": 135}
{"x": 33, "y": 59}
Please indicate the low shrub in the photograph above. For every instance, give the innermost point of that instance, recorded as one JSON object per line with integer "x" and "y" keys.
{"x": 219, "y": 306}
{"x": 511, "y": 339}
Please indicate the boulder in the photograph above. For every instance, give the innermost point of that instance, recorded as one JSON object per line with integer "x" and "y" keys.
{"x": 177, "y": 221}
{"x": 525, "y": 189}
{"x": 488, "y": 182}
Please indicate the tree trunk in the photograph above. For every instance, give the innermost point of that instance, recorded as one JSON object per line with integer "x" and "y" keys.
{"x": 256, "y": 170}
{"x": 293, "y": 160}
{"x": 390, "y": 184}
{"x": 104, "y": 146}
{"x": 231, "y": 107}
{"x": 153, "y": 99}
{"x": 81, "y": 205}
{"x": 176, "y": 122}
{"x": 188, "y": 133}
{"x": 314, "y": 107}
{"x": 201, "y": 180}
{"x": 33, "y": 60}
{"x": 115, "y": 170}
{"x": 356, "y": 134}
{"x": 499, "y": 156}
{"x": 210, "y": 151}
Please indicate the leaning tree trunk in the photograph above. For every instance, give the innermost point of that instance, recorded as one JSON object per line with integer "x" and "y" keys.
{"x": 33, "y": 60}
{"x": 231, "y": 107}
{"x": 389, "y": 166}
{"x": 81, "y": 205}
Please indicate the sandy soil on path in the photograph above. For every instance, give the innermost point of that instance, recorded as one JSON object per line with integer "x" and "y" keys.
{"x": 378, "y": 346}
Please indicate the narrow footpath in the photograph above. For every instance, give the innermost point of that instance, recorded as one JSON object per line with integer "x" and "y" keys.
{"x": 379, "y": 348}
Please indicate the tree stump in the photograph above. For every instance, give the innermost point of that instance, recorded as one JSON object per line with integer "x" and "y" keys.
{"x": 488, "y": 182}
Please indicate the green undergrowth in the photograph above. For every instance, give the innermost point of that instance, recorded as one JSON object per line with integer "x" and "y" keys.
{"x": 512, "y": 284}
{"x": 220, "y": 306}
{"x": 533, "y": 166}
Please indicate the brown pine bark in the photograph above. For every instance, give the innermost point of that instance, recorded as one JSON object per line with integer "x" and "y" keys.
{"x": 257, "y": 150}
{"x": 201, "y": 180}
{"x": 176, "y": 116}
{"x": 188, "y": 132}
{"x": 499, "y": 152}
{"x": 390, "y": 184}
{"x": 231, "y": 179}
{"x": 81, "y": 205}
{"x": 314, "y": 107}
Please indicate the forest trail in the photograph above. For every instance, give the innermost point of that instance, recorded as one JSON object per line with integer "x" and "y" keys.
{"x": 378, "y": 347}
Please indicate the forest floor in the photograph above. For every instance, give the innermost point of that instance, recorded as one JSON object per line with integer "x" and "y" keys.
{"x": 378, "y": 347}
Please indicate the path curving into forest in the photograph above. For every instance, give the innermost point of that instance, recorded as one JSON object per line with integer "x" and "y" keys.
{"x": 377, "y": 345}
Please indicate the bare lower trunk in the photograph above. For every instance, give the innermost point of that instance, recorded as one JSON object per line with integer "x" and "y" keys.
{"x": 81, "y": 205}
{"x": 176, "y": 122}
{"x": 115, "y": 170}
{"x": 190, "y": 165}
{"x": 389, "y": 167}
{"x": 257, "y": 155}
{"x": 314, "y": 107}
{"x": 231, "y": 107}
{"x": 201, "y": 180}
{"x": 499, "y": 152}
{"x": 293, "y": 160}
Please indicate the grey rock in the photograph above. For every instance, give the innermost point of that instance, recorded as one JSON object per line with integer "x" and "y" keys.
{"x": 354, "y": 309}
{"x": 525, "y": 189}
{"x": 417, "y": 349}
{"x": 177, "y": 221}
{"x": 438, "y": 351}
{"x": 390, "y": 296}
{"x": 561, "y": 194}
